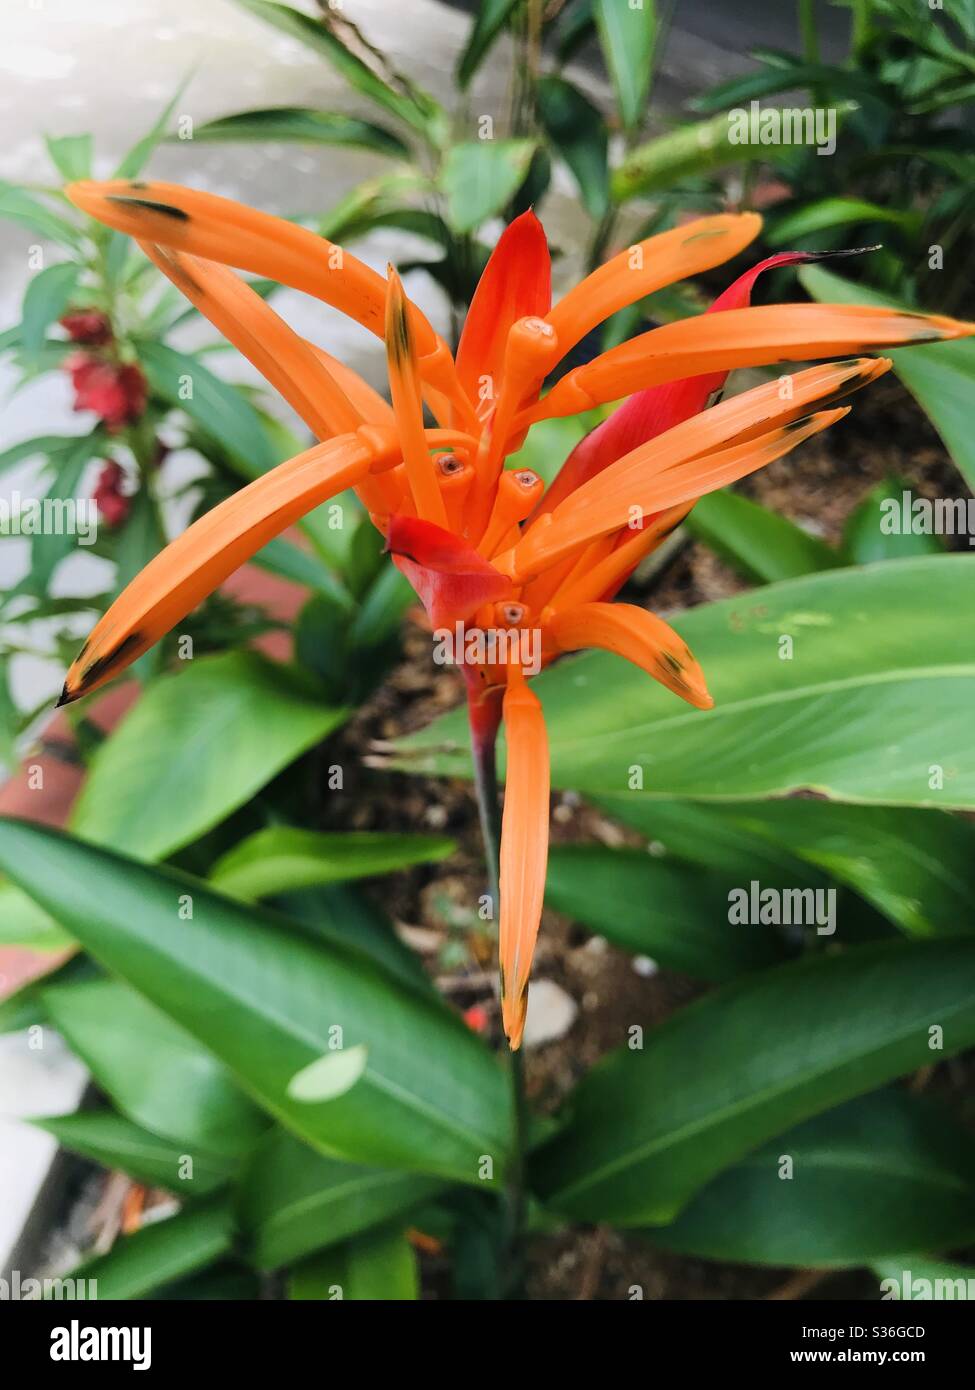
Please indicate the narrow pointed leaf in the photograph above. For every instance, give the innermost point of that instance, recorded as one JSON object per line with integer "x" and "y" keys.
{"x": 116, "y": 1143}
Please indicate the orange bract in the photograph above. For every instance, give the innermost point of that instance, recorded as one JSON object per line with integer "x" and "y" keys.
{"x": 484, "y": 548}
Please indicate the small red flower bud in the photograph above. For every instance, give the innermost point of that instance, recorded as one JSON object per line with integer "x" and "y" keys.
{"x": 89, "y": 326}
{"x": 113, "y": 505}
{"x": 116, "y": 394}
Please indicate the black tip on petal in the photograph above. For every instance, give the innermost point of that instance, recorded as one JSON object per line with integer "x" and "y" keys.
{"x": 65, "y": 697}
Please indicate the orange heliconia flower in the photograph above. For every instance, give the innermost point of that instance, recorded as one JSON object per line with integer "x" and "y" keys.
{"x": 485, "y": 547}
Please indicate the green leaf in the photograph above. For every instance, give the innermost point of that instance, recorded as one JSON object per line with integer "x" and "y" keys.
{"x": 940, "y": 376}
{"x": 220, "y": 410}
{"x": 380, "y": 1266}
{"x": 759, "y": 543}
{"x": 676, "y": 914}
{"x": 52, "y": 545}
{"x": 71, "y": 155}
{"x": 138, "y": 1265}
{"x": 267, "y": 1001}
{"x": 117, "y": 1143}
{"x": 300, "y": 566}
{"x": 281, "y": 858}
{"x": 881, "y": 527}
{"x": 413, "y": 106}
{"x": 916, "y": 867}
{"x": 330, "y": 1076}
{"x": 138, "y": 541}
{"x": 872, "y": 647}
{"x": 16, "y": 205}
{"x": 303, "y": 125}
{"x": 141, "y": 152}
{"x": 887, "y": 1172}
{"x": 578, "y": 131}
{"x": 153, "y": 1071}
{"x": 627, "y": 32}
{"x": 480, "y": 176}
{"x": 648, "y": 1128}
{"x": 205, "y": 740}
{"x": 48, "y": 295}
{"x": 48, "y": 446}
{"x": 825, "y": 213}
{"x": 294, "y": 1201}
{"x": 490, "y": 18}
{"x": 23, "y": 923}
{"x": 683, "y": 153}
{"x": 929, "y": 1279}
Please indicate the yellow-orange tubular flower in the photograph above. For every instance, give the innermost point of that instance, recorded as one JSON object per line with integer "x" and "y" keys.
{"x": 489, "y": 550}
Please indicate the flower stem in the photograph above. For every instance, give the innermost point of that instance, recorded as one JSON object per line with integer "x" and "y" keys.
{"x": 483, "y": 745}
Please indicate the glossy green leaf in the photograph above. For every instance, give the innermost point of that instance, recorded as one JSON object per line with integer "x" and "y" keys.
{"x": 198, "y": 744}
{"x": 378, "y": 1267}
{"x": 649, "y": 1127}
{"x": 268, "y": 1000}
{"x": 154, "y": 1072}
{"x": 413, "y": 106}
{"x": 140, "y": 1264}
{"x": 676, "y": 914}
{"x": 117, "y": 1143}
{"x": 882, "y": 526}
{"x": 303, "y": 125}
{"x": 759, "y": 543}
{"x": 141, "y": 152}
{"x": 23, "y": 923}
{"x": 887, "y": 1172}
{"x": 578, "y": 131}
{"x": 48, "y": 295}
{"x": 282, "y": 858}
{"x": 294, "y": 1201}
{"x": 220, "y": 410}
{"x": 480, "y": 176}
{"x": 627, "y": 32}
{"x": 871, "y": 648}
{"x": 940, "y": 376}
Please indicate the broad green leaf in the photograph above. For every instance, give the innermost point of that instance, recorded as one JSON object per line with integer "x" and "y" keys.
{"x": 330, "y": 1076}
{"x": 268, "y": 1000}
{"x": 48, "y": 295}
{"x": 674, "y": 913}
{"x": 921, "y": 1279}
{"x": 683, "y": 153}
{"x": 71, "y": 155}
{"x": 294, "y": 1201}
{"x": 648, "y": 1128}
{"x": 871, "y": 648}
{"x": 627, "y": 30}
{"x": 490, "y": 18}
{"x": 153, "y": 1071}
{"x": 413, "y": 106}
{"x": 16, "y": 205}
{"x": 23, "y": 923}
{"x": 916, "y": 867}
{"x": 824, "y": 213}
{"x": 117, "y": 1143}
{"x": 341, "y": 914}
{"x": 378, "y": 1267}
{"x": 199, "y": 743}
{"x": 940, "y": 376}
{"x": 303, "y": 125}
{"x": 759, "y": 543}
{"x": 220, "y": 410}
{"x": 480, "y": 176}
{"x": 281, "y": 859}
{"x": 882, "y": 526}
{"x": 887, "y": 1172}
{"x": 578, "y": 131}
{"x": 138, "y": 1265}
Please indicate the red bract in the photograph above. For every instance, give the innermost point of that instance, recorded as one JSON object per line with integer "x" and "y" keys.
{"x": 117, "y": 394}
{"x": 88, "y": 326}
